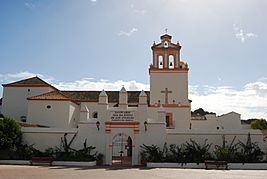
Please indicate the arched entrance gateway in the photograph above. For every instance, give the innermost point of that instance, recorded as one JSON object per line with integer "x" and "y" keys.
{"x": 122, "y": 150}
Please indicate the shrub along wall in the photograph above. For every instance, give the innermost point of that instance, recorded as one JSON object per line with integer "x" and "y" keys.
{"x": 12, "y": 147}
{"x": 193, "y": 152}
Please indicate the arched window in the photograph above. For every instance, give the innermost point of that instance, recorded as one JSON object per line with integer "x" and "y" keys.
{"x": 160, "y": 61}
{"x": 171, "y": 61}
{"x": 95, "y": 115}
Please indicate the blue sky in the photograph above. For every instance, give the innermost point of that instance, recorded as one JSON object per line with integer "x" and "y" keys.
{"x": 95, "y": 44}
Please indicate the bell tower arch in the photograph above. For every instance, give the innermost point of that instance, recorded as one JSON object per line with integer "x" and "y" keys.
{"x": 166, "y": 54}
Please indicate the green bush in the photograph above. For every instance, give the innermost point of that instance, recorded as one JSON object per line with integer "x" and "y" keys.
{"x": 189, "y": 152}
{"x": 151, "y": 153}
{"x": 176, "y": 154}
{"x": 226, "y": 152}
{"x": 249, "y": 151}
{"x": 259, "y": 124}
{"x": 239, "y": 152}
{"x": 195, "y": 152}
{"x": 66, "y": 153}
{"x": 10, "y": 135}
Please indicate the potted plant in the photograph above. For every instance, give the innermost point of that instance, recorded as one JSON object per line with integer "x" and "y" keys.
{"x": 143, "y": 158}
{"x": 99, "y": 159}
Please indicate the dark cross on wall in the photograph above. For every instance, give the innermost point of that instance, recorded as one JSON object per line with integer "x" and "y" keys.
{"x": 166, "y": 92}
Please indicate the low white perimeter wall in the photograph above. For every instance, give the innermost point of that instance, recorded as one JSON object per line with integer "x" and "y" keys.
{"x": 54, "y": 163}
{"x": 214, "y": 137}
{"x": 15, "y": 162}
{"x": 71, "y": 163}
{"x": 43, "y": 138}
{"x": 231, "y": 166}
{"x": 175, "y": 165}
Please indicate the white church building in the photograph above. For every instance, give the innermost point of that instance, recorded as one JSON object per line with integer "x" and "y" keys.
{"x": 119, "y": 122}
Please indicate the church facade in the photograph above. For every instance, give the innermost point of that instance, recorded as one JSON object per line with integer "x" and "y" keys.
{"x": 119, "y": 122}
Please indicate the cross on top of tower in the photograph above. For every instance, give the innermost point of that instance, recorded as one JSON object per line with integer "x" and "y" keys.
{"x": 166, "y": 30}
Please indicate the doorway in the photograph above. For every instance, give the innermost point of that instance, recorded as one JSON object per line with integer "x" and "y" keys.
{"x": 122, "y": 145}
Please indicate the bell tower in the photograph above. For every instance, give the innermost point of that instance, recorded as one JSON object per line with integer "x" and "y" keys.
{"x": 169, "y": 82}
{"x": 166, "y": 55}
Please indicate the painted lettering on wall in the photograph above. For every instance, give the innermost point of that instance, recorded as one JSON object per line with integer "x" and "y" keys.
{"x": 122, "y": 116}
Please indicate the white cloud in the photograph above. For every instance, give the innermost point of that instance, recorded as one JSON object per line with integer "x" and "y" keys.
{"x": 85, "y": 84}
{"x": 11, "y": 77}
{"x": 93, "y": 0}
{"x": 242, "y": 35}
{"x": 137, "y": 11}
{"x": 250, "y": 101}
{"x": 30, "y": 5}
{"x": 129, "y": 33}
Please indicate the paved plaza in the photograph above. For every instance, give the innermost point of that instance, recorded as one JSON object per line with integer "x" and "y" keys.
{"x": 42, "y": 172}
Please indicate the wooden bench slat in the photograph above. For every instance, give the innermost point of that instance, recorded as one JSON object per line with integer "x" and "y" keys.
{"x": 42, "y": 160}
{"x": 217, "y": 163}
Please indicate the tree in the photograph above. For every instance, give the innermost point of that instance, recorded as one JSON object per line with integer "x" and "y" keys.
{"x": 201, "y": 112}
{"x": 10, "y": 134}
{"x": 248, "y": 121}
{"x": 259, "y": 124}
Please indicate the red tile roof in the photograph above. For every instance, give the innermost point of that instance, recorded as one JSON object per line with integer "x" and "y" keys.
{"x": 30, "y": 82}
{"x": 53, "y": 95}
{"x": 88, "y": 96}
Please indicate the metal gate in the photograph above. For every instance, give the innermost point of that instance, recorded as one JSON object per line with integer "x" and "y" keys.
{"x": 121, "y": 149}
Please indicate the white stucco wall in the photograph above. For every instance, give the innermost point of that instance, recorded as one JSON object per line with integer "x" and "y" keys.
{"x": 61, "y": 114}
{"x": 246, "y": 126}
{"x": 211, "y": 123}
{"x": 155, "y": 134}
{"x": 74, "y": 114}
{"x": 15, "y": 102}
{"x": 230, "y": 121}
{"x": 102, "y": 139}
{"x": 227, "y": 121}
{"x": 44, "y": 138}
{"x": 181, "y": 116}
{"x": 95, "y": 107}
{"x": 175, "y": 82}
